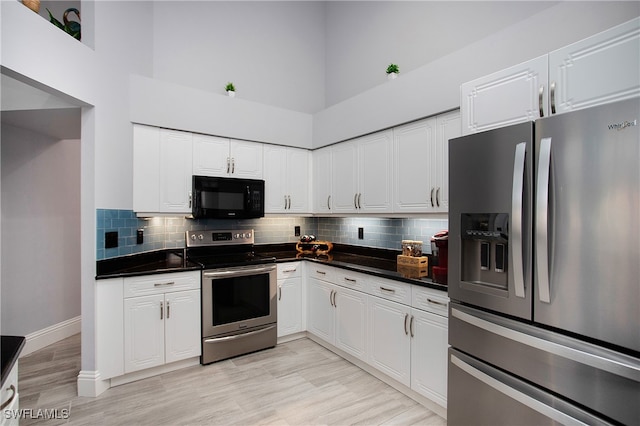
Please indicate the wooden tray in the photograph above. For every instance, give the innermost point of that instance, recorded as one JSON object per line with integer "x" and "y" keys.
{"x": 314, "y": 247}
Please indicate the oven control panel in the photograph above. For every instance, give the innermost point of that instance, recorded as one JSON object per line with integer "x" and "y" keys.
{"x": 218, "y": 237}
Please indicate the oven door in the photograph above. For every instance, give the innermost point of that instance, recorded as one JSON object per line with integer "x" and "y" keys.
{"x": 238, "y": 298}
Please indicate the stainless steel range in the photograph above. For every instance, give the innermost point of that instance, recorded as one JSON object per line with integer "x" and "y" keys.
{"x": 239, "y": 305}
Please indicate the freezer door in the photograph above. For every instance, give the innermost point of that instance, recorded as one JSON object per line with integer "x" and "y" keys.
{"x": 490, "y": 193}
{"x": 603, "y": 380}
{"x": 587, "y": 226}
{"x": 483, "y": 395}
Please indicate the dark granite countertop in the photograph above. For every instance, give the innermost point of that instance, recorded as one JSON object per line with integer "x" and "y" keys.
{"x": 153, "y": 262}
{"x": 10, "y": 348}
{"x": 373, "y": 261}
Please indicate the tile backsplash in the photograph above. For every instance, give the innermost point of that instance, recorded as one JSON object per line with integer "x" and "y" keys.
{"x": 168, "y": 232}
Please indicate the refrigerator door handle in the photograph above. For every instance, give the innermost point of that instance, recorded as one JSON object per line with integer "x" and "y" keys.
{"x": 515, "y": 394}
{"x": 542, "y": 218}
{"x": 516, "y": 218}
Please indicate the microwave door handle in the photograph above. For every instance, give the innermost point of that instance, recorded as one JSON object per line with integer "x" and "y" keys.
{"x": 542, "y": 218}
{"x": 516, "y": 217}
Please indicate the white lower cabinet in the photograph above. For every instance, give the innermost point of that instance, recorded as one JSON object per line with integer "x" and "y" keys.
{"x": 397, "y": 328}
{"x": 290, "y": 301}
{"x": 10, "y": 398}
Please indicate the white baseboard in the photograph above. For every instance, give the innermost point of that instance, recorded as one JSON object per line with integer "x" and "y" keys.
{"x": 91, "y": 385}
{"x": 47, "y": 336}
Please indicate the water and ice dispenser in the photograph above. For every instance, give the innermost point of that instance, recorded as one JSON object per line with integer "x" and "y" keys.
{"x": 485, "y": 238}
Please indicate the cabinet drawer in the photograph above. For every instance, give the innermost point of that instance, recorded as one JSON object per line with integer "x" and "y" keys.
{"x": 391, "y": 290}
{"x": 161, "y": 283}
{"x": 289, "y": 269}
{"x": 350, "y": 279}
{"x": 321, "y": 272}
{"x": 430, "y": 300}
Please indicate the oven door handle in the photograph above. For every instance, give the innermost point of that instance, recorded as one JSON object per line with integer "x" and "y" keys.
{"x": 240, "y": 271}
{"x": 238, "y": 336}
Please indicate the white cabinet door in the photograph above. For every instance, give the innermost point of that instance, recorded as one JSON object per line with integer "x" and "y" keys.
{"x": 286, "y": 175}
{"x": 375, "y": 179}
{"x": 320, "y": 310}
{"x": 143, "y": 332}
{"x": 600, "y": 69}
{"x": 448, "y": 126}
{"x": 275, "y": 179}
{"x": 298, "y": 174}
{"x": 344, "y": 186}
{"x": 211, "y": 156}
{"x": 182, "y": 325}
{"x": 246, "y": 159}
{"x": 289, "y": 306}
{"x": 506, "y": 97}
{"x": 351, "y": 322}
{"x": 429, "y": 355}
{"x": 322, "y": 178}
{"x": 146, "y": 168}
{"x": 413, "y": 161}
{"x": 175, "y": 171}
{"x": 389, "y": 340}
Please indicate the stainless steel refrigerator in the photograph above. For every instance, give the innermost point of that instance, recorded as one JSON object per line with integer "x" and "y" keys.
{"x": 544, "y": 271}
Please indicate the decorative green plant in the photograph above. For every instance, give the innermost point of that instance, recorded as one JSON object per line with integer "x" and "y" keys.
{"x": 393, "y": 68}
{"x": 230, "y": 87}
{"x": 70, "y": 27}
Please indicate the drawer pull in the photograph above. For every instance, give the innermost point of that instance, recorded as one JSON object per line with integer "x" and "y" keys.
{"x": 350, "y": 280}
{"x": 286, "y": 271}
{"x": 390, "y": 290}
{"x": 8, "y": 402}
{"x": 436, "y": 302}
{"x": 321, "y": 272}
{"x": 164, "y": 284}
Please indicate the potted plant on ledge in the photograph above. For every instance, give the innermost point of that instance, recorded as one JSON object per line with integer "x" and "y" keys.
{"x": 231, "y": 90}
{"x": 392, "y": 71}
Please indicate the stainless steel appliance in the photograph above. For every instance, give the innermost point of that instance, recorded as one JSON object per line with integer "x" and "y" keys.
{"x": 544, "y": 271}
{"x": 239, "y": 306}
{"x": 219, "y": 198}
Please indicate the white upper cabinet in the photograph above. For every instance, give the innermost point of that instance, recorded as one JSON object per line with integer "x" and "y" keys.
{"x": 599, "y": 69}
{"x": 421, "y": 163}
{"x": 321, "y": 180}
{"x": 286, "y": 175}
{"x": 221, "y": 157}
{"x": 362, "y": 174}
{"x": 162, "y": 168}
{"x": 506, "y": 97}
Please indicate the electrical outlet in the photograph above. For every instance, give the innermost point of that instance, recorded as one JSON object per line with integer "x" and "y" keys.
{"x": 296, "y": 230}
{"x": 111, "y": 239}
{"x": 361, "y": 233}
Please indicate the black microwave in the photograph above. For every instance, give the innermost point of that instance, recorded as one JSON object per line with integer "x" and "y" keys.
{"x": 219, "y": 198}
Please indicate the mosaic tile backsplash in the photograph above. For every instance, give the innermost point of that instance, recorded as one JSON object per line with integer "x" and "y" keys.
{"x": 168, "y": 232}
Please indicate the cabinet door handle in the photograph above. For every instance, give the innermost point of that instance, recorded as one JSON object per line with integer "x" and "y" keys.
{"x": 233, "y": 165}
{"x": 335, "y": 293}
{"x": 355, "y": 200}
{"x": 279, "y": 292}
{"x": 411, "y": 326}
{"x": 289, "y": 199}
{"x": 329, "y": 202}
{"x": 432, "y": 197}
{"x": 228, "y": 164}
{"x": 8, "y": 402}
{"x": 438, "y": 197}
{"x": 359, "y": 197}
{"x": 285, "y": 202}
{"x": 331, "y": 297}
{"x": 540, "y": 96}
{"x": 406, "y": 330}
{"x": 161, "y": 310}
{"x": 168, "y": 310}
{"x": 552, "y": 96}
{"x": 164, "y": 284}
{"x": 436, "y": 302}
{"x": 390, "y": 290}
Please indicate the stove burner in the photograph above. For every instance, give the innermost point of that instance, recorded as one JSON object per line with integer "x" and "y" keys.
{"x": 221, "y": 249}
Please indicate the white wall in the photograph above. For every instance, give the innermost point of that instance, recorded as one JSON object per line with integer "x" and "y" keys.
{"x": 273, "y": 52}
{"x": 434, "y": 87}
{"x": 40, "y": 231}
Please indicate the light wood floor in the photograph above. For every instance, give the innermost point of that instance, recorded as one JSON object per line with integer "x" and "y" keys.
{"x": 295, "y": 383}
